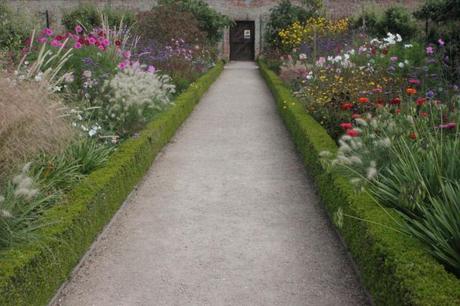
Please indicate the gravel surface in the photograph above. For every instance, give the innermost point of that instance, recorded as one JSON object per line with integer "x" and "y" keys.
{"x": 225, "y": 216}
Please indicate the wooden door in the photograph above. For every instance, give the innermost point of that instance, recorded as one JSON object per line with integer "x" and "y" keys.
{"x": 242, "y": 41}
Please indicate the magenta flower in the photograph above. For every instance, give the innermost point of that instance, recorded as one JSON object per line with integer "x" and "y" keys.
{"x": 92, "y": 41}
{"x": 47, "y": 32}
{"x": 448, "y": 126}
{"x": 122, "y": 65}
{"x": 105, "y": 42}
{"x": 101, "y": 47}
{"x": 429, "y": 50}
{"x": 42, "y": 40}
{"x": 77, "y": 45}
{"x": 78, "y": 28}
{"x": 414, "y": 81}
{"x": 56, "y": 43}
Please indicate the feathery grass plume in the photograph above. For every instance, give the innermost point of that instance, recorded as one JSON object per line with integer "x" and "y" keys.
{"x": 30, "y": 122}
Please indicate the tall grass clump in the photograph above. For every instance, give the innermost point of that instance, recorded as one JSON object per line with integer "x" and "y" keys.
{"x": 31, "y": 122}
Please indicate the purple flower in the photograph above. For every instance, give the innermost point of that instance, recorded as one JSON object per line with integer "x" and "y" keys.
{"x": 429, "y": 50}
{"x": 151, "y": 69}
{"x": 394, "y": 58}
{"x": 430, "y": 94}
{"x": 441, "y": 42}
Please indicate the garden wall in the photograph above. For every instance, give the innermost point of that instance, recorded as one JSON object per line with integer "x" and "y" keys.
{"x": 30, "y": 275}
{"x": 395, "y": 268}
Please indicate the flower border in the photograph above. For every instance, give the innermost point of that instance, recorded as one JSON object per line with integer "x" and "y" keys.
{"x": 31, "y": 274}
{"x": 395, "y": 269}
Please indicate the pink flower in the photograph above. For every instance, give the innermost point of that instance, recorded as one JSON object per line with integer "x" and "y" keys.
{"x": 56, "y": 43}
{"x": 122, "y": 65}
{"x": 47, "y": 32}
{"x": 151, "y": 69}
{"x": 78, "y": 29}
{"x": 77, "y": 45}
{"x": 127, "y": 54}
{"x": 414, "y": 81}
{"x": 105, "y": 42}
{"x": 42, "y": 40}
{"x": 92, "y": 41}
{"x": 394, "y": 58}
{"x": 441, "y": 42}
{"x": 101, "y": 47}
{"x": 429, "y": 50}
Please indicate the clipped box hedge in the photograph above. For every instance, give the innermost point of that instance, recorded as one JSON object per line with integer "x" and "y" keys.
{"x": 394, "y": 268}
{"x": 30, "y": 274}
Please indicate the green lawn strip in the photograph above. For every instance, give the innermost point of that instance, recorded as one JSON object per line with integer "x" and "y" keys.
{"x": 30, "y": 274}
{"x": 395, "y": 268}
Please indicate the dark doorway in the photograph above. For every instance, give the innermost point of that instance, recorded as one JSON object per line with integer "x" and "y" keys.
{"x": 242, "y": 41}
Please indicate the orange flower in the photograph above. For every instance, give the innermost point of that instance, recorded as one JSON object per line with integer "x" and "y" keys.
{"x": 411, "y": 91}
{"x": 363, "y": 100}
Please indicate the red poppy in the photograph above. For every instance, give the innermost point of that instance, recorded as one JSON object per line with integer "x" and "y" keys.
{"x": 352, "y": 133}
{"x": 346, "y": 106}
{"x": 420, "y": 101}
{"x": 413, "y": 136}
{"x": 395, "y": 101}
{"x": 363, "y": 100}
{"x": 354, "y": 116}
{"x": 346, "y": 125}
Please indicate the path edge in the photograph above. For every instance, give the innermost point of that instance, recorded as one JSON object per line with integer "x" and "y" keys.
{"x": 31, "y": 274}
{"x": 394, "y": 268}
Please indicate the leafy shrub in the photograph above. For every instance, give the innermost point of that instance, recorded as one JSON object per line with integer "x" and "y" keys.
{"x": 394, "y": 19}
{"x": 90, "y": 17}
{"x": 441, "y": 20}
{"x": 210, "y": 21}
{"x": 167, "y": 22}
{"x": 15, "y": 27}
{"x": 285, "y": 14}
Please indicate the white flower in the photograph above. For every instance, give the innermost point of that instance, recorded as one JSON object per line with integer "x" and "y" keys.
{"x": 398, "y": 38}
{"x": 5, "y": 213}
{"x": 401, "y": 65}
{"x": 371, "y": 173}
{"x": 39, "y": 77}
{"x": 361, "y": 122}
{"x": 302, "y": 56}
{"x": 87, "y": 74}
{"x": 408, "y": 46}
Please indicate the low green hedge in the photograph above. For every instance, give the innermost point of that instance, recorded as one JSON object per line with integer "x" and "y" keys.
{"x": 395, "y": 268}
{"x": 31, "y": 274}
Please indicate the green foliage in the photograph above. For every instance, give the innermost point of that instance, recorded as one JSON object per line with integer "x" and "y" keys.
{"x": 396, "y": 19}
{"x": 15, "y": 27}
{"x": 165, "y": 23}
{"x": 441, "y": 19}
{"x": 210, "y": 21}
{"x": 32, "y": 272}
{"x": 283, "y": 15}
{"x": 89, "y": 16}
{"x": 394, "y": 268}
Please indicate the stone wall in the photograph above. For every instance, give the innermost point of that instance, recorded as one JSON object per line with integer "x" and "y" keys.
{"x": 256, "y": 10}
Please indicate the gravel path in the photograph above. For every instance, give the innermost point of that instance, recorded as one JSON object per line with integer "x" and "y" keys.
{"x": 225, "y": 216}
